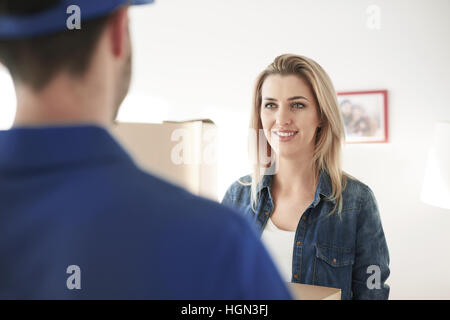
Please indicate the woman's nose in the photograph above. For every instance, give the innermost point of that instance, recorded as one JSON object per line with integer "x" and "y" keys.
{"x": 283, "y": 117}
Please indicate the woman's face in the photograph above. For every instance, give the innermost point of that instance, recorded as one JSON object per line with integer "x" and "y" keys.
{"x": 289, "y": 115}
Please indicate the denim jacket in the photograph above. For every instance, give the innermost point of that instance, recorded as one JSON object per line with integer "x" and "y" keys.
{"x": 349, "y": 253}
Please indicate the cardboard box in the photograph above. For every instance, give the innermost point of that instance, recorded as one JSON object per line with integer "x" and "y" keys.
{"x": 180, "y": 152}
{"x": 309, "y": 292}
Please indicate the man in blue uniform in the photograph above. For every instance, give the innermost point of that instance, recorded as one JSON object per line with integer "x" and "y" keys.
{"x": 78, "y": 219}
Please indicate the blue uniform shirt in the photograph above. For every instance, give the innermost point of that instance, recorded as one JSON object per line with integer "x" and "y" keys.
{"x": 349, "y": 253}
{"x": 79, "y": 220}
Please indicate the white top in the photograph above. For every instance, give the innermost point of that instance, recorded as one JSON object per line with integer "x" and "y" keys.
{"x": 280, "y": 244}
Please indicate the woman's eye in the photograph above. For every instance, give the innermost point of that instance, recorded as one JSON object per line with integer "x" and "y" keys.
{"x": 269, "y": 106}
{"x": 298, "y": 105}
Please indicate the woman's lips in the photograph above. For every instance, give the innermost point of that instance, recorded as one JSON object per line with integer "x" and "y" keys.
{"x": 285, "y": 135}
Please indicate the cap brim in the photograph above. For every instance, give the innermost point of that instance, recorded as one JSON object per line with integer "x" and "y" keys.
{"x": 54, "y": 19}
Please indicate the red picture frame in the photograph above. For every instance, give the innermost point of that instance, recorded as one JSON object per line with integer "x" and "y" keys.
{"x": 365, "y": 115}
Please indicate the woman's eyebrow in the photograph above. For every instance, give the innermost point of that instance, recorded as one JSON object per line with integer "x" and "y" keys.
{"x": 290, "y": 99}
{"x": 297, "y": 97}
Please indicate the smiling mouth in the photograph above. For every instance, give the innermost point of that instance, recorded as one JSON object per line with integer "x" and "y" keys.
{"x": 285, "y": 133}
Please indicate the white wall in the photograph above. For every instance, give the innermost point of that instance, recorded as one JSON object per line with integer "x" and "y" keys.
{"x": 199, "y": 59}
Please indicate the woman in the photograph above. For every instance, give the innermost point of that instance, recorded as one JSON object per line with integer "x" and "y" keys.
{"x": 321, "y": 225}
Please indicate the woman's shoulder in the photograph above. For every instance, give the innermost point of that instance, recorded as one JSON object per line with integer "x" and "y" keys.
{"x": 239, "y": 189}
{"x": 353, "y": 182}
{"x": 242, "y": 182}
{"x": 356, "y": 191}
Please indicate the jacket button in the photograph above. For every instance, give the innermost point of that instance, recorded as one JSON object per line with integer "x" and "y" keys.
{"x": 334, "y": 260}
{"x": 267, "y": 214}
{"x": 296, "y": 276}
{"x": 299, "y": 243}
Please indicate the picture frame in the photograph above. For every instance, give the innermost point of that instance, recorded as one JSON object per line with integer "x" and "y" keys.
{"x": 365, "y": 115}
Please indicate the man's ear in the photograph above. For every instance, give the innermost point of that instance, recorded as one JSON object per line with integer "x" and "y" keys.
{"x": 118, "y": 30}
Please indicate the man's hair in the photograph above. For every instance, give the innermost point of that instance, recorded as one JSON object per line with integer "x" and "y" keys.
{"x": 36, "y": 60}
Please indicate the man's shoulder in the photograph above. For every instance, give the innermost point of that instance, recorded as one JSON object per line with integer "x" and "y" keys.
{"x": 158, "y": 211}
{"x": 178, "y": 203}
{"x": 124, "y": 188}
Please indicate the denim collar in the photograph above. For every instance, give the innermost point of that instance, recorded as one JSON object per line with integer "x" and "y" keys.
{"x": 323, "y": 188}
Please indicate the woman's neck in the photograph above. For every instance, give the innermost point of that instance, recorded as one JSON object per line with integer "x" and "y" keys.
{"x": 295, "y": 176}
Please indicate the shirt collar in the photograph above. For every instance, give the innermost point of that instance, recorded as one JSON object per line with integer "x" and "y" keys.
{"x": 323, "y": 187}
{"x": 24, "y": 147}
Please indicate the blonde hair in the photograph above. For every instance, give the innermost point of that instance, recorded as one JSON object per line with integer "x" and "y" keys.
{"x": 329, "y": 137}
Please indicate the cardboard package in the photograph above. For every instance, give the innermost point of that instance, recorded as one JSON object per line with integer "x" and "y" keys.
{"x": 309, "y": 292}
{"x": 180, "y": 152}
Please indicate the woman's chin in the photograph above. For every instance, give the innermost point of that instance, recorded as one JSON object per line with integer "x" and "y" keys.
{"x": 286, "y": 153}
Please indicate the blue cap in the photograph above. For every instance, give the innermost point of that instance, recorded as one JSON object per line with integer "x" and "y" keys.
{"x": 55, "y": 18}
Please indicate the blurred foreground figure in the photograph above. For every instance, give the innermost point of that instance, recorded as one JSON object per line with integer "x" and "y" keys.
{"x": 78, "y": 219}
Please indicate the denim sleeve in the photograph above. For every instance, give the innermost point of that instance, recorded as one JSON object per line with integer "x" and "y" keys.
{"x": 371, "y": 268}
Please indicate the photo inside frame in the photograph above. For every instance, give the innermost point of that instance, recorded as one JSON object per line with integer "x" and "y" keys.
{"x": 364, "y": 116}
